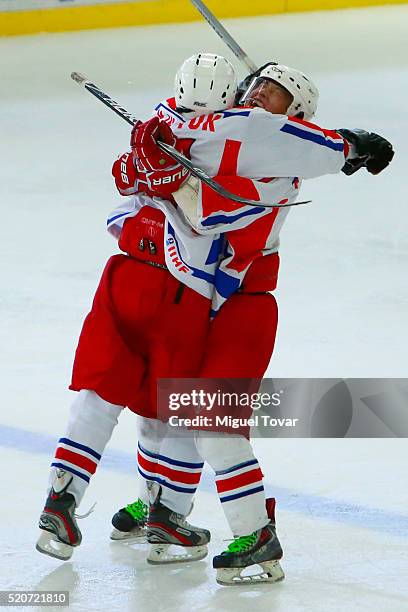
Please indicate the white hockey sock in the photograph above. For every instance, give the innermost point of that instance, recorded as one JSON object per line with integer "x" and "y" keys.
{"x": 90, "y": 426}
{"x": 150, "y": 433}
{"x": 169, "y": 459}
{"x": 238, "y": 478}
{"x": 179, "y": 470}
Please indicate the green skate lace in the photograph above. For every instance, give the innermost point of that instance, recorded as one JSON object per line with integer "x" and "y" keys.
{"x": 241, "y": 544}
{"x": 138, "y": 510}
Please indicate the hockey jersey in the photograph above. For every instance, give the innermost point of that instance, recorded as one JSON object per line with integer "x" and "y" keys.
{"x": 251, "y": 152}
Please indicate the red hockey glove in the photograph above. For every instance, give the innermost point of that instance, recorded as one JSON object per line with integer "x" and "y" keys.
{"x": 160, "y": 183}
{"x": 163, "y": 183}
{"x": 143, "y": 141}
{"x": 125, "y": 174}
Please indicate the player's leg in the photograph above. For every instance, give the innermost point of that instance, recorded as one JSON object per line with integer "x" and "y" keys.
{"x": 90, "y": 426}
{"x": 169, "y": 470}
{"x": 250, "y": 516}
{"x": 240, "y": 345}
{"x": 107, "y": 374}
{"x": 129, "y": 523}
{"x": 176, "y": 352}
{"x": 173, "y": 539}
{"x": 175, "y": 336}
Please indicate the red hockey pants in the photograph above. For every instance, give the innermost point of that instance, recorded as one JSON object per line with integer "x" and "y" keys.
{"x": 145, "y": 325}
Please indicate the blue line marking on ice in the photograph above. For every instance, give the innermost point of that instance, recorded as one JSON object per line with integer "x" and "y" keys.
{"x": 321, "y": 508}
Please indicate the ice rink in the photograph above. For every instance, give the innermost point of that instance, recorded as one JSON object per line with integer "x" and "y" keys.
{"x": 343, "y": 297}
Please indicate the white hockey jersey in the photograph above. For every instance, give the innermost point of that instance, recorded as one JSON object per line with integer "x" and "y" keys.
{"x": 275, "y": 152}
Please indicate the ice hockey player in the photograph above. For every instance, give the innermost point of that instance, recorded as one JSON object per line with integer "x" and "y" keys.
{"x": 317, "y": 151}
{"x": 116, "y": 366}
{"x": 282, "y": 102}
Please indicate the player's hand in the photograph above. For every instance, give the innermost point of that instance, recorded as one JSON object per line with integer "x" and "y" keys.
{"x": 143, "y": 141}
{"x": 160, "y": 183}
{"x": 125, "y": 174}
{"x": 164, "y": 183}
{"x": 368, "y": 150}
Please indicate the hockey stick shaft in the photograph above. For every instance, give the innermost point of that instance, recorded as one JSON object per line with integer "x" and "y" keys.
{"x": 104, "y": 98}
{"x": 224, "y": 35}
{"x": 184, "y": 161}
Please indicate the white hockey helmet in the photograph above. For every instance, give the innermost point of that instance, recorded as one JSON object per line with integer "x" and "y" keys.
{"x": 304, "y": 91}
{"x": 205, "y": 83}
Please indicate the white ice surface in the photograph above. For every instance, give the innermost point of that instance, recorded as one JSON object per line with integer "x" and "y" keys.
{"x": 343, "y": 299}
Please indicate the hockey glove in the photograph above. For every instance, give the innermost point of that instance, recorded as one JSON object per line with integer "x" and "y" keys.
{"x": 164, "y": 183}
{"x": 143, "y": 142}
{"x": 125, "y": 174}
{"x": 160, "y": 183}
{"x": 368, "y": 150}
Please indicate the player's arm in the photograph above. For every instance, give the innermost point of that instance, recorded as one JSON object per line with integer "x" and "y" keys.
{"x": 282, "y": 146}
{"x": 146, "y": 169}
{"x": 205, "y": 210}
{"x": 210, "y": 213}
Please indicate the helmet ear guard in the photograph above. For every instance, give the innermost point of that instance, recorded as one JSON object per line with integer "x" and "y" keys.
{"x": 205, "y": 83}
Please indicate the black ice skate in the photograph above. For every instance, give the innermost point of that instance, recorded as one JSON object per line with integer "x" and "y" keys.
{"x": 165, "y": 529}
{"x": 261, "y": 547}
{"x": 129, "y": 523}
{"x": 60, "y": 532}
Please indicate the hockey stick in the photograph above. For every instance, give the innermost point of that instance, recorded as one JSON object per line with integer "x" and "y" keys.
{"x": 224, "y": 35}
{"x": 184, "y": 161}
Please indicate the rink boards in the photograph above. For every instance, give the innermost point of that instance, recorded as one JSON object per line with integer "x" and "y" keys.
{"x": 31, "y": 16}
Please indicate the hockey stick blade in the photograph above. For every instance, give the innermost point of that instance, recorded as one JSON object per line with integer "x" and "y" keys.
{"x": 224, "y": 35}
{"x": 184, "y": 161}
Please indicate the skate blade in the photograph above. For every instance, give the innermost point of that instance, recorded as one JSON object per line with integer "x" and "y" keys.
{"x": 231, "y": 576}
{"x": 133, "y": 536}
{"x": 48, "y": 544}
{"x": 159, "y": 554}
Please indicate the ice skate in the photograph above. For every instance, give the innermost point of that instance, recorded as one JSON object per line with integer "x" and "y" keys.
{"x": 261, "y": 548}
{"x": 129, "y": 523}
{"x": 59, "y": 529}
{"x": 167, "y": 529}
